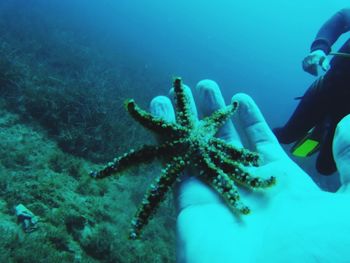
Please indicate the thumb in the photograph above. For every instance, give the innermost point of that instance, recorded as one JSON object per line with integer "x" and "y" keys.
{"x": 341, "y": 150}
{"x": 324, "y": 63}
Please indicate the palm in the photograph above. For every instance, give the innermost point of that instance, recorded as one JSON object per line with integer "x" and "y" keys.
{"x": 288, "y": 222}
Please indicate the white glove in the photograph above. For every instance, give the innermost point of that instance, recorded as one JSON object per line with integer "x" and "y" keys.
{"x": 315, "y": 59}
{"x": 292, "y": 221}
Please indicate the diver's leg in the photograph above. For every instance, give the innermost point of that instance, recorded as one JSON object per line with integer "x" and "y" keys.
{"x": 325, "y": 163}
{"x": 310, "y": 111}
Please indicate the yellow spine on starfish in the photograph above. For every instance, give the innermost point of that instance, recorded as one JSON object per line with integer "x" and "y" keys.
{"x": 155, "y": 124}
{"x": 242, "y": 155}
{"x": 223, "y": 184}
{"x": 219, "y": 117}
{"x": 156, "y": 194}
{"x": 145, "y": 154}
{"x": 188, "y": 143}
{"x": 184, "y": 114}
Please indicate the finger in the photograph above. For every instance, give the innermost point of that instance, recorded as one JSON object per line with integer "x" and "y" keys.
{"x": 310, "y": 64}
{"x": 325, "y": 64}
{"x": 311, "y": 69}
{"x": 192, "y": 192}
{"x": 210, "y": 99}
{"x": 341, "y": 149}
{"x": 161, "y": 106}
{"x": 305, "y": 64}
{"x": 255, "y": 129}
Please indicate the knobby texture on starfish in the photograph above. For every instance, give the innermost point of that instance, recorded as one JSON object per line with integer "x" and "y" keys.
{"x": 188, "y": 143}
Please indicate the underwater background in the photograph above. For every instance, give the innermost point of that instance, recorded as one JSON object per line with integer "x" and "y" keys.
{"x": 66, "y": 68}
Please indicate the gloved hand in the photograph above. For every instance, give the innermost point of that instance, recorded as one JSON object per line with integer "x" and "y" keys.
{"x": 292, "y": 221}
{"x": 315, "y": 59}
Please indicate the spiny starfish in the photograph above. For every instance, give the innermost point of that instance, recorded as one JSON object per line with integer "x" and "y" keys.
{"x": 188, "y": 142}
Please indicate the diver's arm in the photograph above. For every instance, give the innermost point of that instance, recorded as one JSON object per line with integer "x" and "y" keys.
{"x": 331, "y": 30}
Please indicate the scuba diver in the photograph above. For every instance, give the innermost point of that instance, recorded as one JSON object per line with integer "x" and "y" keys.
{"x": 327, "y": 101}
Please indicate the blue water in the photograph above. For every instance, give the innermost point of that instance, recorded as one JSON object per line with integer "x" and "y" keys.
{"x": 246, "y": 46}
{"x": 254, "y": 47}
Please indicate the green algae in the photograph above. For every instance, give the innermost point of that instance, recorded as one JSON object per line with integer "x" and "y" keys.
{"x": 60, "y": 98}
{"x": 77, "y": 215}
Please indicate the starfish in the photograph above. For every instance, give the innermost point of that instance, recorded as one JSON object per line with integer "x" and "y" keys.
{"x": 188, "y": 143}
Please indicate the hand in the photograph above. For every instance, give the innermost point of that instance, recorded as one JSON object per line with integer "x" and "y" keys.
{"x": 315, "y": 59}
{"x": 341, "y": 152}
{"x": 293, "y": 221}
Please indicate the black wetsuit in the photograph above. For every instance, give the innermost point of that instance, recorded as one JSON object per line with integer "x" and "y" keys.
{"x": 326, "y": 102}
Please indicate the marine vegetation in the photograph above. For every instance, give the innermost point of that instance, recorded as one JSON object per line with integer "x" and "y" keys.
{"x": 188, "y": 143}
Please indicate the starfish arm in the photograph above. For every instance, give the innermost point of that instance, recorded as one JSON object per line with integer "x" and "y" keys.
{"x": 144, "y": 154}
{"x": 155, "y": 194}
{"x": 188, "y": 142}
{"x": 220, "y": 116}
{"x": 223, "y": 184}
{"x": 235, "y": 171}
{"x": 153, "y": 123}
{"x": 242, "y": 155}
{"x": 242, "y": 177}
{"x": 184, "y": 115}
